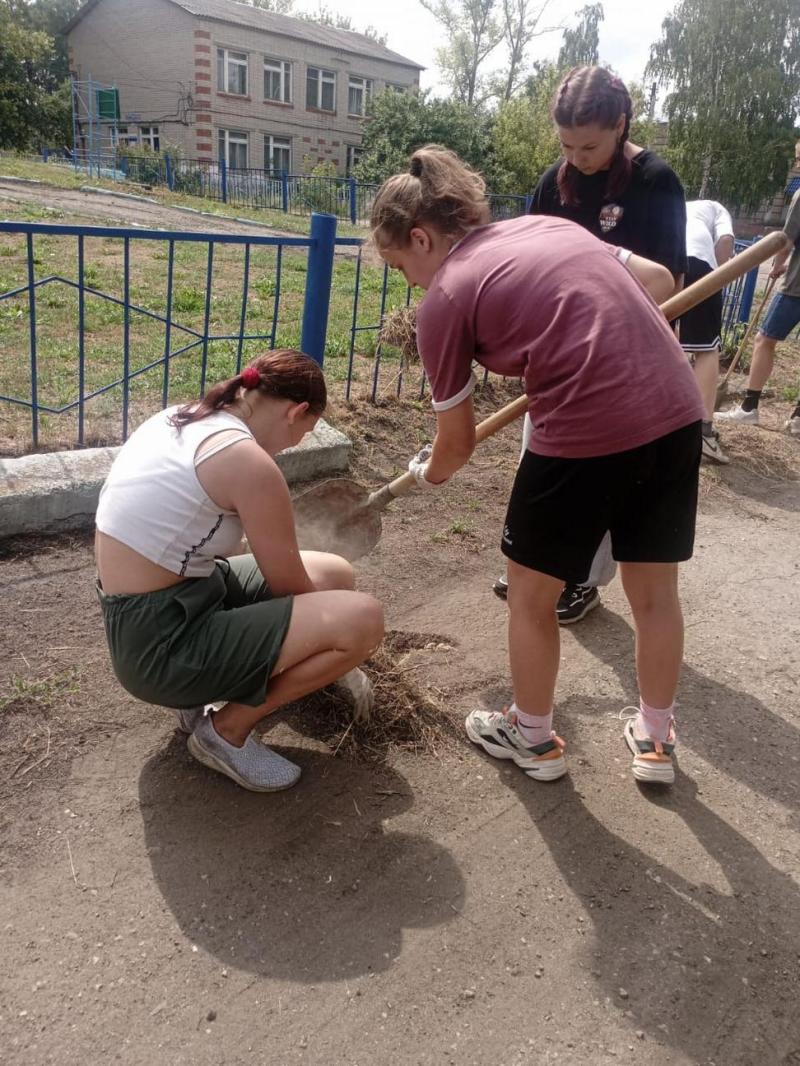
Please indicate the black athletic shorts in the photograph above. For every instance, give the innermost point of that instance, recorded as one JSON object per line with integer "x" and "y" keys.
{"x": 560, "y": 509}
{"x": 701, "y": 326}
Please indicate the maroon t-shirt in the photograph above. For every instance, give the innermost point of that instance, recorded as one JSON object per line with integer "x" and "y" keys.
{"x": 541, "y": 299}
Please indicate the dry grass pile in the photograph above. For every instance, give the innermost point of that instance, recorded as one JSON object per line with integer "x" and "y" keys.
{"x": 764, "y": 451}
{"x": 400, "y": 330}
{"x": 407, "y": 716}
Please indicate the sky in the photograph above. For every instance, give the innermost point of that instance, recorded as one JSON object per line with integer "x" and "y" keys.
{"x": 629, "y": 28}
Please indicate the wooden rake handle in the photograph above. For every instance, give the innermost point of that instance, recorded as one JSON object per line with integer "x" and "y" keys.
{"x": 673, "y": 308}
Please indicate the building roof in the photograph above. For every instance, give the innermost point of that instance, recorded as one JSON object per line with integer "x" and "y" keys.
{"x": 243, "y": 14}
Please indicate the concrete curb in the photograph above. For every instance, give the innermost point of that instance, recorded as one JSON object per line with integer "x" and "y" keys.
{"x": 58, "y": 491}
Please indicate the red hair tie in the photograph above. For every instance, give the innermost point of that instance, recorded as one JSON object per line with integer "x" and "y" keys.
{"x": 251, "y": 378}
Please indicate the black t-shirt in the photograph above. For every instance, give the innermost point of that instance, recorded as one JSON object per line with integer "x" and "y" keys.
{"x": 648, "y": 219}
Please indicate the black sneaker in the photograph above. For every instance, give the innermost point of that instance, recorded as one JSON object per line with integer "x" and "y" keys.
{"x": 575, "y": 602}
{"x": 500, "y": 588}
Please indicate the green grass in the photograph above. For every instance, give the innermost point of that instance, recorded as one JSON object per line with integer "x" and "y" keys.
{"x": 64, "y": 177}
{"x": 57, "y": 310}
{"x": 21, "y": 692}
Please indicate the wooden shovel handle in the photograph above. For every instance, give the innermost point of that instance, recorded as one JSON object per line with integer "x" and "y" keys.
{"x": 742, "y": 263}
{"x": 673, "y": 308}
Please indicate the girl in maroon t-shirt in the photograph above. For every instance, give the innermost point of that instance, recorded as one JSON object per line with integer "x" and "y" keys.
{"x": 622, "y": 193}
{"x": 616, "y": 444}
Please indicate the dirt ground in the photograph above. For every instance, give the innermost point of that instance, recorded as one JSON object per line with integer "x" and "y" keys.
{"x": 403, "y": 907}
{"x": 417, "y": 908}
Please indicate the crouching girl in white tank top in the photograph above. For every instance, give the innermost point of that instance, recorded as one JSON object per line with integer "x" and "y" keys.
{"x": 189, "y": 620}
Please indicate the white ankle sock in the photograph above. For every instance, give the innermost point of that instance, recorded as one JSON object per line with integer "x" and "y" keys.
{"x": 536, "y": 729}
{"x": 653, "y": 722}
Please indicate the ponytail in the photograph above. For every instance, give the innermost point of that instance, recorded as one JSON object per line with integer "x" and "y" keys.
{"x": 284, "y": 373}
{"x": 438, "y": 189}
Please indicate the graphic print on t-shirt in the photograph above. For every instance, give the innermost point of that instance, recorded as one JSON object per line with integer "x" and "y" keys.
{"x": 610, "y": 215}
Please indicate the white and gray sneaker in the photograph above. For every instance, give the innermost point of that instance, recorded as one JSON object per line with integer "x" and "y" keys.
{"x": 712, "y": 450}
{"x": 253, "y": 766}
{"x": 738, "y": 414}
{"x": 792, "y": 426}
{"x": 498, "y": 735}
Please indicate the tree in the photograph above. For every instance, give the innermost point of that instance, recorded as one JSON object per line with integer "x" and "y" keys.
{"x": 581, "y": 45}
{"x": 732, "y": 69}
{"x": 33, "y": 111}
{"x": 525, "y": 140}
{"x": 473, "y": 32}
{"x": 327, "y": 17}
{"x": 401, "y": 122}
{"x": 280, "y": 7}
{"x": 521, "y": 24}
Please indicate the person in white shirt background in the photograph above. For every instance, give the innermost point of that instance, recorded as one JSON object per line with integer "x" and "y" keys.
{"x": 709, "y": 244}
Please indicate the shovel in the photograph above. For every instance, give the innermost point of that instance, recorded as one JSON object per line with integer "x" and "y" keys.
{"x": 340, "y": 516}
{"x": 722, "y": 388}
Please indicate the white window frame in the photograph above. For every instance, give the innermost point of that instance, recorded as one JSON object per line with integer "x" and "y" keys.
{"x": 150, "y": 139}
{"x": 282, "y": 144}
{"x": 396, "y": 87}
{"x": 354, "y": 151}
{"x": 283, "y": 68}
{"x": 236, "y": 138}
{"x": 228, "y": 60}
{"x": 362, "y": 87}
{"x": 323, "y": 77}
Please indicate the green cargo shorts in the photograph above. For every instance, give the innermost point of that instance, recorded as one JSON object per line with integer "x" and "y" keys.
{"x": 203, "y": 640}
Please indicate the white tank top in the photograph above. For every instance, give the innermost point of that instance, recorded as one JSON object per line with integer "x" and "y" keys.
{"x": 153, "y": 502}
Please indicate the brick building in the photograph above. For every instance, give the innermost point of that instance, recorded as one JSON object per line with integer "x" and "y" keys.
{"x": 222, "y": 79}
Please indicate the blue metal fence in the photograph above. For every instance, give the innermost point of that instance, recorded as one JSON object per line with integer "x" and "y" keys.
{"x": 299, "y": 194}
{"x": 146, "y": 328}
{"x": 179, "y": 338}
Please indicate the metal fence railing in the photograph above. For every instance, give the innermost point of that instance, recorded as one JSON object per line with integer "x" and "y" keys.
{"x": 98, "y": 324}
{"x": 145, "y": 316}
{"x": 299, "y": 194}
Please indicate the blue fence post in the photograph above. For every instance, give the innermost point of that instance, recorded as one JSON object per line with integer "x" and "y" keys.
{"x": 748, "y": 292}
{"x": 318, "y": 286}
{"x": 170, "y": 172}
{"x": 223, "y": 177}
{"x": 285, "y": 191}
{"x": 353, "y": 201}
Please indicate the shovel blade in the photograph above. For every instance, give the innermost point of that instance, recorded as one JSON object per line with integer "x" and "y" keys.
{"x": 334, "y": 517}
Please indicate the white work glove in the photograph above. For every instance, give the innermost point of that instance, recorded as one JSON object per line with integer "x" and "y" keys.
{"x": 357, "y": 688}
{"x": 419, "y": 466}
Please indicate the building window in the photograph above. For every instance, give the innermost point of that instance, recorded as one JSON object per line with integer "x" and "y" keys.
{"x": 278, "y": 80}
{"x": 321, "y": 89}
{"x": 395, "y": 87}
{"x": 354, "y": 153}
{"x": 148, "y": 136}
{"x": 359, "y": 91}
{"x": 232, "y": 72}
{"x": 278, "y": 154}
{"x": 232, "y": 147}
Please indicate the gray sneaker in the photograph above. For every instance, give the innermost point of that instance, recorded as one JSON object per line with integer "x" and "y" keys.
{"x": 253, "y": 766}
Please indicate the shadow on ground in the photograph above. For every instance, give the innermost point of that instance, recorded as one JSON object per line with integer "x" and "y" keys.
{"x": 715, "y": 720}
{"x": 710, "y": 972}
{"x": 307, "y": 885}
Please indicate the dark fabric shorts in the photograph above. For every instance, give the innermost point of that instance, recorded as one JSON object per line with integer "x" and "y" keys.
{"x": 560, "y": 509}
{"x": 782, "y": 317}
{"x": 701, "y": 325}
{"x": 203, "y": 640}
